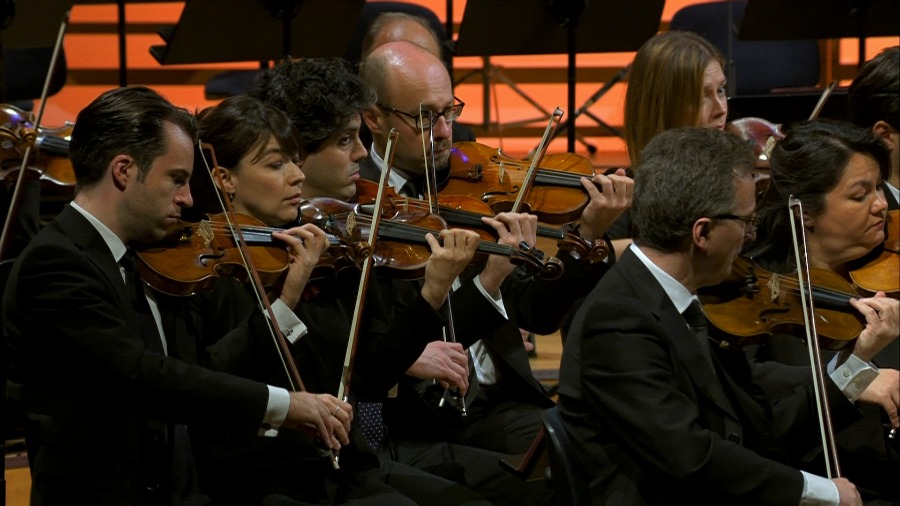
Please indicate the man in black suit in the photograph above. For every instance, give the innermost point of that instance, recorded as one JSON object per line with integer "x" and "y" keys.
{"x": 505, "y": 414}
{"x": 107, "y": 369}
{"x": 656, "y": 414}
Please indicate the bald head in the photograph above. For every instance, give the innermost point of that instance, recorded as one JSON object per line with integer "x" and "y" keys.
{"x": 403, "y": 68}
{"x": 400, "y": 26}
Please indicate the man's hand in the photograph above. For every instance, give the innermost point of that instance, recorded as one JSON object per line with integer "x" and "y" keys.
{"x": 605, "y": 206}
{"x": 329, "y": 416}
{"x": 448, "y": 259}
{"x": 305, "y": 244}
{"x": 885, "y": 392}
{"x": 513, "y": 229}
{"x": 446, "y": 362}
{"x": 847, "y": 491}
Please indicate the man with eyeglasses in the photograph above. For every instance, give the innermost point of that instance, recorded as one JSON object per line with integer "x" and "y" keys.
{"x": 415, "y": 97}
{"x": 656, "y": 412}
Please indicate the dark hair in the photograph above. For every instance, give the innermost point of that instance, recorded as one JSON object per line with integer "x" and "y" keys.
{"x": 123, "y": 121}
{"x": 807, "y": 164}
{"x": 875, "y": 92}
{"x": 238, "y": 126}
{"x": 685, "y": 174}
{"x": 320, "y": 95}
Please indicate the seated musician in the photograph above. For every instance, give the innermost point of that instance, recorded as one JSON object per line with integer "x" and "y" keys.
{"x": 331, "y": 169}
{"x": 257, "y": 151}
{"x": 656, "y": 414}
{"x": 505, "y": 414}
{"x": 676, "y": 80}
{"x": 109, "y": 371}
{"x": 837, "y": 171}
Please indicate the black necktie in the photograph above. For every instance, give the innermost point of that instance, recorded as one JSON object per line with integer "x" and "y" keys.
{"x": 412, "y": 188}
{"x": 371, "y": 423}
{"x": 142, "y": 317}
{"x": 696, "y": 319}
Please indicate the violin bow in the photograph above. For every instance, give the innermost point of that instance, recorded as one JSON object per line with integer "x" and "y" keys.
{"x": 350, "y": 354}
{"x": 432, "y": 197}
{"x": 30, "y": 137}
{"x": 829, "y": 446}
{"x": 281, "y": 344}
{"x": 552, "y": 125}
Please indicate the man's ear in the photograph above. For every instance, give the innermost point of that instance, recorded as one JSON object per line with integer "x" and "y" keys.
{"x": 700, "y": 233}
{"x": 371, "y": 116}
{"x": 883, "y": 131}
{"x": 119, "y": 168}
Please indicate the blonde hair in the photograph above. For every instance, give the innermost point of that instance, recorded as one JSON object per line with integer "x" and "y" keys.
{"x": 665, "y": 86}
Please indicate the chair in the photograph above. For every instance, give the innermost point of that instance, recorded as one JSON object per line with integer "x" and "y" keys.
{"x": 567, "y": 478}
{"x": 759, "y": 66}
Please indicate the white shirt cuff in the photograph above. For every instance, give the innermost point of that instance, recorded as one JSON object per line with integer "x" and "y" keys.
{"x": 819, "y": 491}
{"x": 496, "y": 302}
{"x": 276, "y": 411}
{"x": 290, "y": 325}
{"x": 853, "y": 376}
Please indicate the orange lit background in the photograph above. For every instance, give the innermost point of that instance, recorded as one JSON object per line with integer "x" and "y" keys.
{"x": 91, "y": 47}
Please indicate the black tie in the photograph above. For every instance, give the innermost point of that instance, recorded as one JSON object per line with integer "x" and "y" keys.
{"x": 371, "y": 423}
{"x": 142, "y": 320}
{"x": 696, "y": 319}
{"x": 412, "y": 188}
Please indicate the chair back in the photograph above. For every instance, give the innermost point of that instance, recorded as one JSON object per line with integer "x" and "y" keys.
{"x": 567, "y": 477}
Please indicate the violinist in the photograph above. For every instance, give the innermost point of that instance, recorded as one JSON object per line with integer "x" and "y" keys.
{"x": 837, "y": 171}
{"x": 509, "y": 400}
{"x": 111, "y": 383}
{"x": 331, "y": 168}
{"x": 257, "y": 149}
{"x": 677, "y": 79}
{"x": 656, "y": 414}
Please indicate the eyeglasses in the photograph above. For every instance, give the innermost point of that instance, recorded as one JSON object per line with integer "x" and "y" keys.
{"x": 431, "y": 117}
{"x": 752, "y": 221}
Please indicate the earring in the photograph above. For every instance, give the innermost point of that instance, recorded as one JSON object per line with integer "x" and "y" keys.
{"x": 231, "y": 197}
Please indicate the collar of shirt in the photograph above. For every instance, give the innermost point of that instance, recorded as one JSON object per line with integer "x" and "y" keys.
{"x": 680, "y": 296}
{"x": 396, "y": 179}
{"x": 894, "y": 191}
{"x": 116, "y": 246}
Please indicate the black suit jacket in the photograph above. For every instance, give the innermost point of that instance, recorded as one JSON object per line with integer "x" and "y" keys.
{"x": 649, "y": 419}
{"x": 90, "y": 386}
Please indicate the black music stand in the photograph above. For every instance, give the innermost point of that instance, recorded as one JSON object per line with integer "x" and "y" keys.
{"x": 821, "y": 19}
{"x": 212, "y": 31}
{"x": 557, "y": 27}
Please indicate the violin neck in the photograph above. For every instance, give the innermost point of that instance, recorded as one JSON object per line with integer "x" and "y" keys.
{"x": 559, "y": 178}
{"x": 470, "y": 219}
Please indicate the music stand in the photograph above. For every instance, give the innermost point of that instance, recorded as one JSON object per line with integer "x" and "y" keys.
{"x": 557, "y": 27}
{"x": 834, "y": 19}
{"x": 210, "y": 31}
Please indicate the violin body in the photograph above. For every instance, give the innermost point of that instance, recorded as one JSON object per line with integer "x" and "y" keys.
{"x": 482, "y": 172}
{"x": 753, "y": 304}
{"x": 880, "y": 270}
{"x": 193, "y": 255}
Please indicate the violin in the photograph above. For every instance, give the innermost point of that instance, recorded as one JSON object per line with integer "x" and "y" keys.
{"x": 879, "y": 270}
{"x": 484, "y": 173}
{"x": 401, "y": 244}
{"x": 754, "y": 303}
{"x": 466, "y": 212}
{"x": 51, "y": 157}
{"x": 193, "y": 254}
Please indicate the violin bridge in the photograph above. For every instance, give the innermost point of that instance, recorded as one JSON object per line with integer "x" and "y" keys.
{"x": 501, "y": 173}
{"x": 774, "y": 288}
{"x": 351, "y": 224}
{"x": 205, "y": 231}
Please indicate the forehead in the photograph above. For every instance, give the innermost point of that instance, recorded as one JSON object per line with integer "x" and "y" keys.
{"x": 861, "y": 170}
{"x": 713, "y": 73}
{"x": 429, "y": 86}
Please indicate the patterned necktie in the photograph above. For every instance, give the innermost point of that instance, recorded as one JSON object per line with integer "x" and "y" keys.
{"x": 371, "y": 423}
{"x": 696, "y": 319}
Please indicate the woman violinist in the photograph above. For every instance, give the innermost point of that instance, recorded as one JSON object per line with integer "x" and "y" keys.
{"x": 677, "y": 79}
{"x": 257, "y": 151}
{"x": 836, "y": 170}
